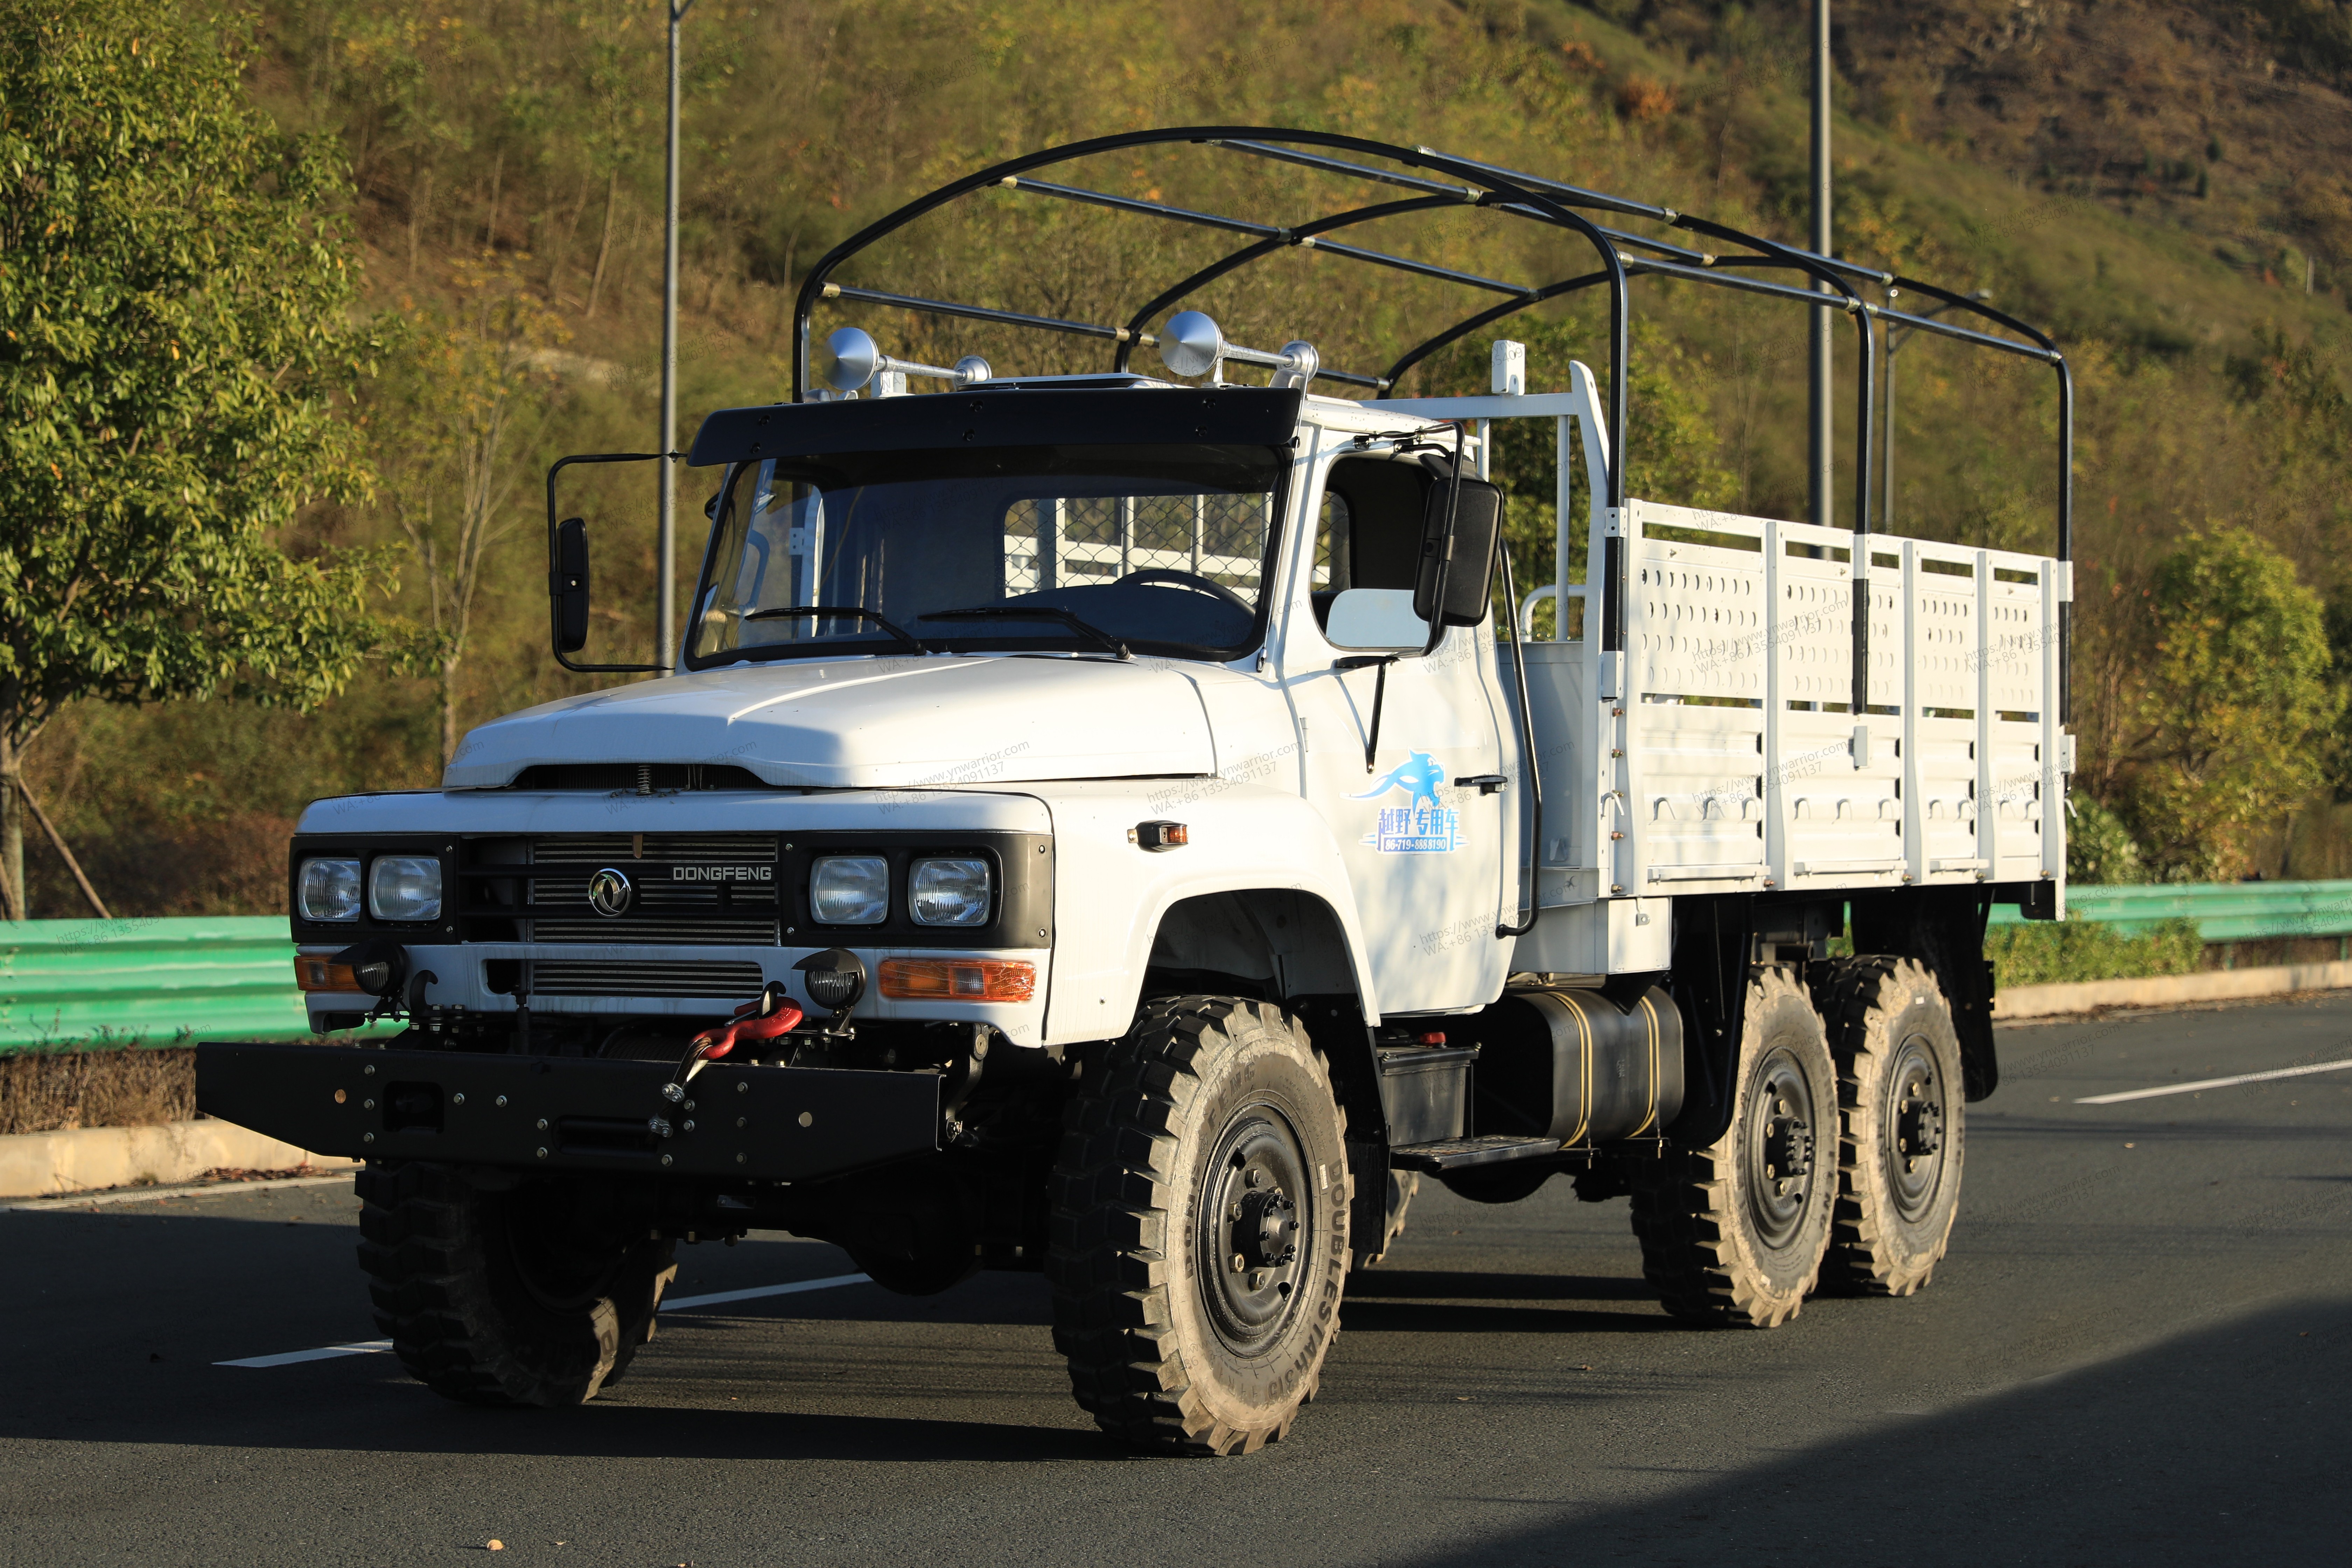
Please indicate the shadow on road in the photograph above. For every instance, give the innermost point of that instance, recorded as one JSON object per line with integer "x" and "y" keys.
{"x": 2223, "y": 1446}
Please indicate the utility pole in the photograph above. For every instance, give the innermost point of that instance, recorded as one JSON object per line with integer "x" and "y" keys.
{"x": 666, "y": 551}
{"x": 1822, "y": 454}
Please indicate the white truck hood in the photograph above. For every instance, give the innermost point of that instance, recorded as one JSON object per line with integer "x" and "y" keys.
{"x": 874, "y": 722}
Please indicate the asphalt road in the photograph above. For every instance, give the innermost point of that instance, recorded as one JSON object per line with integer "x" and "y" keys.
{"x": 2139, "y": 1351}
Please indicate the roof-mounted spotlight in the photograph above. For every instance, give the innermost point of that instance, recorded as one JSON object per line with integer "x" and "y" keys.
{"x": 1193, "y": 345}
{"x": 851, "y": 358}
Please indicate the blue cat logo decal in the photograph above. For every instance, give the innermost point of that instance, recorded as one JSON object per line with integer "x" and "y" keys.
{"x": 1421, "y": 825}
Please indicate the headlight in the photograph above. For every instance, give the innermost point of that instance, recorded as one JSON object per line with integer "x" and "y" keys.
{"x": 948, "y": 891}
{"x": 329, "y": 890}
{"x": 850, "y": 890}
{"x": 405, "y": 888}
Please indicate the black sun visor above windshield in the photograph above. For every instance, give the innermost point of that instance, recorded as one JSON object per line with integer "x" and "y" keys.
{"x": 1003, "y": 416}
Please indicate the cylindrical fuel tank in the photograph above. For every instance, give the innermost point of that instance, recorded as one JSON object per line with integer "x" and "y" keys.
{"x": 1583, "y": 1066}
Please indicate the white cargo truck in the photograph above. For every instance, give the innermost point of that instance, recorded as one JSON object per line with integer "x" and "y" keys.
{"x": 1102, "y": 825}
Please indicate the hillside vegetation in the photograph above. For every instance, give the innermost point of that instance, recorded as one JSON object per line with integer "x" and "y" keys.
{"x": 2161, "y": 187}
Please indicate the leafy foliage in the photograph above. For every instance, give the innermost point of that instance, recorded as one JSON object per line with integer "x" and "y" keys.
{"x": 175, "y": 294}
{"x": 2237, "y": 704}
{"x": 2049, "y": 952}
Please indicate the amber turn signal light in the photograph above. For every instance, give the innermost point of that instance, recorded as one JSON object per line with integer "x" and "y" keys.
{"x": 959, "y": 979}
{"x": 313, "y": 974}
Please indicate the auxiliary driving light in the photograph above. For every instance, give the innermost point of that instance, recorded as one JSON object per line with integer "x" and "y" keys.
{"x": 835, "y": 979}
{"x": 378, "y": 967}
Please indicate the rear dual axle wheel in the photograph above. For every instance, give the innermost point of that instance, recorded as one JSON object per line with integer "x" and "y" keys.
{"x": 1841, "y": 1164}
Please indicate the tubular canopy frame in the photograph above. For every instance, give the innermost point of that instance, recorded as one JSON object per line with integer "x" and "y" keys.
{"x": 1461, "y": 182}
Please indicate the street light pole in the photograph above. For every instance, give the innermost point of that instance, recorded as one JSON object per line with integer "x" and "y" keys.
{"x": 665, "y": 549}
{"x": 1822, "y": 455}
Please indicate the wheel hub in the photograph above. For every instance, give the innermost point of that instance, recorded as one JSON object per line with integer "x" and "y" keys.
{"x": 1255, "y": 1228}
{"x": 1915, "y": 1133}
{"x": 1779, "y": 1149}
{"x": 1265, "y": 1231}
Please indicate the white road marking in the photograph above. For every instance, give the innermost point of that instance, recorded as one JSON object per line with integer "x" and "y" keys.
{"x": 371, "y": 1347}
{"x": 676, "y": 1304}
{"x": 2212, "y": 1083}
{"x": 680, "y": 1303}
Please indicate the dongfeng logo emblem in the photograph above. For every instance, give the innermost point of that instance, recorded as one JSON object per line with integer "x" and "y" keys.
{"x": 609, "y": 893}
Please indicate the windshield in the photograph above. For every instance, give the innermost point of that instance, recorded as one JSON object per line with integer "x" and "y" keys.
{"x": 1164, "y": 548}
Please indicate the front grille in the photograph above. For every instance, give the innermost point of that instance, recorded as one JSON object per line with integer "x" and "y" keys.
{"x": 667, "y": 910}
{"x": 717, "y": 981}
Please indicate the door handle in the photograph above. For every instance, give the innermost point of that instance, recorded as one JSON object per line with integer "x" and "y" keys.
{"x": 1487, "y": 784}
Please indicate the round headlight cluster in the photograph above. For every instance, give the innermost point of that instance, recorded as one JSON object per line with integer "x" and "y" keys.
{"x": 405, "y": 888}
{"x": 328, "y": 890}
{"x": 941, "y": 890}
{"x": 952, "y": 890}
{"x": 850, "y": 890}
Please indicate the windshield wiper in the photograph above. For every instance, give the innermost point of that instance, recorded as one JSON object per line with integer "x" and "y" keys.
{"x": 1030, "y": 613}
{"x": 858, "y": 611}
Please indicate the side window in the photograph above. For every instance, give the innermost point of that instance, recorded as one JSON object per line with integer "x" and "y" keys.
{"x": 1368, "y": 534}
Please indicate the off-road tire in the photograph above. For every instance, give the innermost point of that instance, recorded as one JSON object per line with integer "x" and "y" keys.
{"x": 1902, "y": 1134}
{"x": 536, "y": 1294}
{"x": 1725, "y": 1238}
{"x": 1211, "y": 1105}
{"x": 1402, "y": 1185}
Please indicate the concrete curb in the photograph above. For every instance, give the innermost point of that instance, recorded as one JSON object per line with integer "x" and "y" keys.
{"x": 2169, "y": 990}
{"x": 91, "y": 1159}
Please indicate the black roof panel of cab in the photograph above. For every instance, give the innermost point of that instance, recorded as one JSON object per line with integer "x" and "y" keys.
{"x": 1003, "y": 416}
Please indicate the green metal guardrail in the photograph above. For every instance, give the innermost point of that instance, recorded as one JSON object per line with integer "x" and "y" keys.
{"x": 147, "y": 982}
{"x": 2225, "y": 911}
{"x": 168, "y": 981}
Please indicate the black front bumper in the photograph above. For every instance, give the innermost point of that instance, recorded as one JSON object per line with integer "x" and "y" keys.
{"x": 770, "y": 1123}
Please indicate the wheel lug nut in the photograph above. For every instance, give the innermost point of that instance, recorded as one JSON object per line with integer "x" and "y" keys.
{"x": 1241, "y": 1266}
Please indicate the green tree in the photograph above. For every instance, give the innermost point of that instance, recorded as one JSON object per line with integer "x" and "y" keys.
{"x": 2239, "y": 703}
{"x": 175, "y": 299}
{"x": 451, "y": 412}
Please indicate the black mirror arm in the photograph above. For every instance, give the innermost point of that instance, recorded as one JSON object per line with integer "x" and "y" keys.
{"x": 554, "y": 610}
{"x": 1445, "y": 557}
{"x": 1380, "y": 662}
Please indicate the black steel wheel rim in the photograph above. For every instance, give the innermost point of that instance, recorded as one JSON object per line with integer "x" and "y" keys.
{"x": 1778, "y": 1148}
{"x": 1913, "y": 1128}
{"x": 1255, "y": 1224}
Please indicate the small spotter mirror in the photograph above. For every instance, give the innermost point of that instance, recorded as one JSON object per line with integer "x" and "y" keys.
{"x": 851, "y": 357}
{"x": 1191, "y": 344}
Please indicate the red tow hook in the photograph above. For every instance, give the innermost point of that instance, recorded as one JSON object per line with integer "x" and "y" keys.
{"x": 771, "y": 1016}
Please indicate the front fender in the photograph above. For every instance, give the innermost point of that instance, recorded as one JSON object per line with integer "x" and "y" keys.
{"x": 1109, "y": 895}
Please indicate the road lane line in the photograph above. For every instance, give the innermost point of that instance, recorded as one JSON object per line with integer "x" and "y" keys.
{"x": 287, "y": 1358}
{"x": 679, "y": 1303}
{"x": 2212, "y": 1083}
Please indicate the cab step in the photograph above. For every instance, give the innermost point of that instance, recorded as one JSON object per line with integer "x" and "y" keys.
{"x": 1462, "y": 1154}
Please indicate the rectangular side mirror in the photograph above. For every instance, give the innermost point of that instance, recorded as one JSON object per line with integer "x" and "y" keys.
{"x": 567, "y": 584}
{"x": 1477, "y": 529}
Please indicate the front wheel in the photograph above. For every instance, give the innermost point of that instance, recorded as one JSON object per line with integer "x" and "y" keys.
{"x": 502, "y": 1291}
{"x": 1199, "y": 1240}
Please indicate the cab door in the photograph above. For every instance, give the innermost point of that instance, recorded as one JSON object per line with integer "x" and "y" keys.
{"x": 1427, "y": 843}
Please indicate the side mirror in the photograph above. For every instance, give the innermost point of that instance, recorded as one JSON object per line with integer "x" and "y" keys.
{"x": 567, "y": 584}
{"x": 1477, "y": 529}
{"x": 1376, "y": 618}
